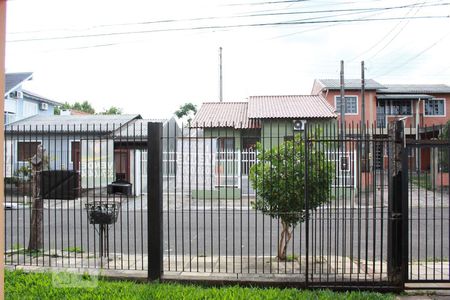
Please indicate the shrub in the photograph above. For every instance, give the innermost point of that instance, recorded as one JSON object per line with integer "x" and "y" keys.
{"x": 280, "y": 178}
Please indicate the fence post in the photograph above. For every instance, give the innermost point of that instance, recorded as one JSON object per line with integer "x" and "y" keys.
{"x": 397, "y": 205}
{"x": 154, "y": 201}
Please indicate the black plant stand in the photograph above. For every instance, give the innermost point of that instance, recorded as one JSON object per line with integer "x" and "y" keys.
{"x": 103, "y": 214}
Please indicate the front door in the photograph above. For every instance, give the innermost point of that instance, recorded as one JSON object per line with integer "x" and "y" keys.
{"x": 122, "y": 164}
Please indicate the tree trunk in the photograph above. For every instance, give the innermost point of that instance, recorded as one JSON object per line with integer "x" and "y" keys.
{"x": 37, "y": 214}
{"x": 35, "y": 242}
{"x": 284, "y": 240}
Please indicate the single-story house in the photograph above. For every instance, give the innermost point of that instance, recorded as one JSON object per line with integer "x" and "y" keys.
{"x": 102, "y": 148}
{"x": 268, "y": 119}
{"x": 230, "y": 130}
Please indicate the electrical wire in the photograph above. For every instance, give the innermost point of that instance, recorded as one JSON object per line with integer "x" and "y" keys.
{"x": 252, "y": 25}
{"x": 396, "y": 67}
{"x": 250, "y": 15}
{"x": 378, "y": 42}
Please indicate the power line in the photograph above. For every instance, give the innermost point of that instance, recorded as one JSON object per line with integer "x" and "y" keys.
{"x": 284, "y": 23}
{"x": 415, "y": 56}
{"x": 320, "y": 27}
{"x": 395, "y": 35}
{"x": 379, "y": 41}
{"x": 254, "y": 15}
{"x": 267, "y": 2}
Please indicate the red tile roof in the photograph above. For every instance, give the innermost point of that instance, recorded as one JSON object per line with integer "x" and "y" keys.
{"x": 224, "y": 114}
{"x": 289, "y": 107}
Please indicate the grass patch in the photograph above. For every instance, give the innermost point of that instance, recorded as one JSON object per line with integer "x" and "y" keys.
{"x": 74, "y": 250}
{"x": 21, "y": 285}
{"x": 291, "y": 257}
{"x": 423, "y": 180}
{"x": 32, "y": 253}
{"x": 17, "y": 246}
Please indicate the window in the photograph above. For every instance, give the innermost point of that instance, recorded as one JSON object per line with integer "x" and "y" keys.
{"x": 396, "y": 108}
{"x": 351, "y": 104}
{"x": 435, "y": 107}
{"x": 29, "y": 109}
{"x": 9, "y": 117}
{"x": 249, "y": 143}
{"x": 225, "y": 144}
{"x": 26, "y": 150}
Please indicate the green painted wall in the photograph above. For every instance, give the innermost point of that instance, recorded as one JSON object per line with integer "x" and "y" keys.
{"x": 225, "y": 133}
{"x": 274, "y": 131}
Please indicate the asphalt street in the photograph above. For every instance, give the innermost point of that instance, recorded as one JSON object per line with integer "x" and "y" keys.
{"x": 197, "y": 231}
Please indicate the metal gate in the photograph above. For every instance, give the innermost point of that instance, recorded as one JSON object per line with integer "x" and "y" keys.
{"x": 426, "y": 163}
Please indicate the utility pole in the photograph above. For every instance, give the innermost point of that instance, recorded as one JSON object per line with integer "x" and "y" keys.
{"x": 363, "y": 98}
{"x": 365, "y": 147}
{"x": 343, "y": 102}
{"x": 220, "y": 76}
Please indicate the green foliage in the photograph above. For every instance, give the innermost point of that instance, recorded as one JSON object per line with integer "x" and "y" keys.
{"x": 21, "y": 285}
{"x": 17, "y": 246}
{"x": 31, "y": 253}
{"x": 186, "y": 110}
{"x": 23, "y": 174}
{"x": 84, "y": 106}
{"x": 279, "y": 180}
{"x": 112, "y": 111}
{"x": 58, "y": 109}
{"x": 423, "y": 180}
{"x": 292, "y": 257}
{"x": 80, "y": 106}
{"x": 24, "y": 171}
{"x": 74, "y": 250}
{"x": 443, "y": 152}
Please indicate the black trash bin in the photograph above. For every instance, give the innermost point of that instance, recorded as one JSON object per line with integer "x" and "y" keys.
{"x": 60, "y": 184}
{"x": 120, "y": 187}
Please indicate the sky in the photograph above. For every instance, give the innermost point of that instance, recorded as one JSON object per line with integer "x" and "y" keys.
{"x": 150, "y": 57}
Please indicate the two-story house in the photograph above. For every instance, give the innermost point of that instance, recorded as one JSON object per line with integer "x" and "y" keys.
{"x": 20, "y": 103}
{"x": 423, "y": 106}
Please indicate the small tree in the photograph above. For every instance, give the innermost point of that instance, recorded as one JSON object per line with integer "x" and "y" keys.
{"x": 113, "y": 110}
{"x": 187, "y": 110}
{"x": 58, "y": 109}
{"x": 279, "y": 180}
{"x": 444, "y": 154}
{"x": 80, "y": 106}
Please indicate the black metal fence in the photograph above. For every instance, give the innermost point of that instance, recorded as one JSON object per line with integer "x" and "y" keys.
{"x": 428, "y": 211}
{"x": 98, "y": 218}
{"x": 227, "y": 202}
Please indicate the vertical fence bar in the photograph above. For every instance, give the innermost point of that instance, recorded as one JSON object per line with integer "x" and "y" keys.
{"x": 405, "y": 218}
{"x": 306, "y": 146}
{"x": 395, "y": 230}
{"x": 154, "y": 201}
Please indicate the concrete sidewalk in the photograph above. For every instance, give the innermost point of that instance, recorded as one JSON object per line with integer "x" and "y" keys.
{"x": 321, "y": 268}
